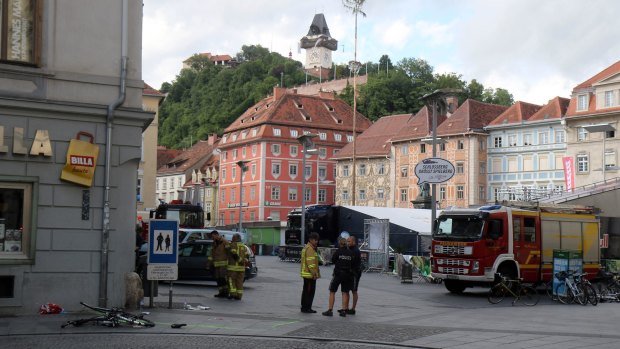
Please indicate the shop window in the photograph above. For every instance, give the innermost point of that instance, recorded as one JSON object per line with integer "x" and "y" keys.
{"x": 16, "y": 225}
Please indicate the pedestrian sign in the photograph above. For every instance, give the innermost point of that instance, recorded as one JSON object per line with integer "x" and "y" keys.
{"x": 163, "y": 249}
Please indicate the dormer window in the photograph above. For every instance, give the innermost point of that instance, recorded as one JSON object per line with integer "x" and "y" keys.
{"x": 277, "y": 132}
{"x": 234, "y": 137}
{"x": 294, "y": 134}
{"x": 254, "y": 132}
{"x": 322, "y": 136}
{"x": 582, "y": 102}
{"x": 609, "y": 99}
{"x": 329, "y": 107}
{"x": 299, "y": 105}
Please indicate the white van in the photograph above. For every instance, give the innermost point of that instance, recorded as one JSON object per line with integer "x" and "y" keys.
{"x": 187, "y": 234}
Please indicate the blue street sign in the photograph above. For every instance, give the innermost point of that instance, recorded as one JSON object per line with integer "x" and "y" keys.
{"x": 163, "y": 241}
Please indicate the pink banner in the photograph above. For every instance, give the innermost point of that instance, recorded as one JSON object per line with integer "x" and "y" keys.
{"x": 569, "y": 172}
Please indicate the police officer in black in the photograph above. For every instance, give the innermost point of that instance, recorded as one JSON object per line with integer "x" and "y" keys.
{"x": 343, "y": 277}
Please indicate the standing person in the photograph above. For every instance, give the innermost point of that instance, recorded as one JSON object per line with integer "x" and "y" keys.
{"x": 218, "y": 263}
{"x": 357, "y": 271}
{"x": 343, "y": 277}
{"x": 309, "y": 272}
{"x": 237, "y": 254}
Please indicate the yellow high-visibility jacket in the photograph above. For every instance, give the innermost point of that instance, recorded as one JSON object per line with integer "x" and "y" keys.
{"x": 309, "y": 263}
{"x": 237, "y": 256}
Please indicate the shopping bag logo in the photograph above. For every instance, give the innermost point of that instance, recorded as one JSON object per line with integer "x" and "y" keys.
{"x": 81, "y": 161}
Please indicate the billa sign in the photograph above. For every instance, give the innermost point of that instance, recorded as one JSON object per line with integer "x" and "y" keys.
{"x": 434, "y": 170}
{"x": 81, "y": 161}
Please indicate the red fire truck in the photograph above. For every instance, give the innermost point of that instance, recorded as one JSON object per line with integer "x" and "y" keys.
{"x": 515, "y": 239}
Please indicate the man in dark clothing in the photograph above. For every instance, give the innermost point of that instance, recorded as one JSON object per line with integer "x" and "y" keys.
{"x": 343, "y": 277}
{"x": 357, "y": 271}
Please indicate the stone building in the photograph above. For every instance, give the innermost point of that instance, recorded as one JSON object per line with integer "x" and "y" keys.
{"x": 70, "y": 70}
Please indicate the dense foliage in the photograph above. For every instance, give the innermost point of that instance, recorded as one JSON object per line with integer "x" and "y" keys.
{"x": 206, "y": 98}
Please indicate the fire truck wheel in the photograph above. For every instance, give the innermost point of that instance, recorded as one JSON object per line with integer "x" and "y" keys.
{"x": 454, "y": 286}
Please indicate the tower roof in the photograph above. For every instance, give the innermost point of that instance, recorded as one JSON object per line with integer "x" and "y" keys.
{"x": 318, "y": 35}
{"x": 318, "y": 26}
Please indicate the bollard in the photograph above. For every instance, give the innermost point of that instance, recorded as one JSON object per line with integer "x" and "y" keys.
{"x": 170, "y": 296}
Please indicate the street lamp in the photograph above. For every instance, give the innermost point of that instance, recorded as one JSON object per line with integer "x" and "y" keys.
{"x": 243, "y": 167}
{"x": 602, "y": 128}
{"x": 355, "y": 68}
{"x": 435, "y": 100}
{"x": 308, "y": 149}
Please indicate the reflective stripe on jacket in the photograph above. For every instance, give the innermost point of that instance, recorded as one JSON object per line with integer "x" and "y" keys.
{"x": 309, "y": 263}
{"x": 237, "y": 256}
{"x": 219, "y": 254}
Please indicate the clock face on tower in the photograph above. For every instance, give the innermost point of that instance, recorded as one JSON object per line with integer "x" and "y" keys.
{"x": 326, "y": 59}
{"x": 314, "y": 55}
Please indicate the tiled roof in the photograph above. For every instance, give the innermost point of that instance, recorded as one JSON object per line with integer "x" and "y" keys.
{"x": 471, "y": 115}
{"x": 418, "y": 126}
{"x": 149, "y": 91}
{"x": 605, "y": 73}
{"x": 291, "y": 109}
{"x": 375, "y": 141}
{"x": 219, "y": 58}
{"x": 164, "y": 155}
{"x": 187, "y": 159}
{"x": 516, "y": 113}
{"x": 585, "y": 87}
{"x": 555, "y": 109}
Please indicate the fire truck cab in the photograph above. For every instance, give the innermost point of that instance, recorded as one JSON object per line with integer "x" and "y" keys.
{"x": 515, "y": 239}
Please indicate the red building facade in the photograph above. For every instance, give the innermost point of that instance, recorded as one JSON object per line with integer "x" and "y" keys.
{"x": 265, "y": 139}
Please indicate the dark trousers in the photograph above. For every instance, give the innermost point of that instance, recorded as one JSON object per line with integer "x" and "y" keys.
{"x": 222, "y": 282}
{"x": 307, "y": 294}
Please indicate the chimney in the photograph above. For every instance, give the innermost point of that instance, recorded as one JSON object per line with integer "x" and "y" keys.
{"x": 278, "y": 92}
{"x": 452, "y": 103}
{"x": 327, "y": 95}
{"x": 212, "y": 138}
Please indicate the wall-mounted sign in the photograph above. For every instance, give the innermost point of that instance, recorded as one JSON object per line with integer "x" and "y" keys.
{"x": 243, "y": 204}
{"x": 81, "y": 161}
{"x": 273, "y": 203}
{"x": 569, "y": 172}
{"x": 41, "y": 145}
{"x": 434, "y": 170}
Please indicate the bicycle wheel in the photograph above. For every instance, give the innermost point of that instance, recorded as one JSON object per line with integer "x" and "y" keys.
{"x": 133, "y": 320}
{"x": 529, "y": 296}
{"x": 580, "y": 297}
{"x": 564, "y": 294}
{"x": 549, "y": 289}
{"x": 591, "y": 295}
{"x": 497, "y": 293}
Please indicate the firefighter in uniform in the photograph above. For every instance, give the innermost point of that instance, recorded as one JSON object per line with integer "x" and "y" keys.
{"x": 218, "y": 262}
{"x": 237, "y": 257}
{"x": 309, "y": 273}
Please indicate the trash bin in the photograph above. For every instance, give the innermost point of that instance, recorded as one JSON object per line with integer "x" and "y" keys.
{"x": 260, "y": 249}
{"x": 406, "y": 273}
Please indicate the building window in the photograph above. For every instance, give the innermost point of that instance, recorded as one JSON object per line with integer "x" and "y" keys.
{"x": 275, "y": 149}
{"x": 362, "y": 194}
{"x": 497, "y": 142}
{"x": 275, "y": 169}
{"x": 442, "y": 146}
{"x": 460, "y": 144}
{"x": 292, "y": 170}
{"x": 294, "y": 133}
{"x": 234, "y": 137}
{"x": 322, "y": 136}
{"x": 243, "y": 152}
{"x": 345, "y": 195}
{"x": 422, "y": 148}
{"x": 560, "y": 136}
{"x": 242, "y": 194}
{"x": 254, "y": 149}
{"x": 233, "y": 173}
{"x": 253, "y": 170}
{"x": 277, "y": 132}
{"x": 460, "y": 167}
{"x": 527, "y": 139}
{"x": 233, "y": 195}
{"x": 164, "y": 183}
{"x": 294, "y": 150}
{"x": 223, "y": 195}
{"x": 252, "y": 193}
{"x": 442, "y": 193}
{"x": 380, "y": 194}
{"x": 322, "y": 153}
{"x": 20, "y": 31}
{"x": 610, "y": 134}
{"x": 403, "y": 194}
{"x": 404, "y": 149}
{"x": 308, "y": 171}
{"x": 16, "y": 211}
{"x": 582, "y": 163}
{"x": 381, "y": 169}
{"x": 482, "y": 167}
{"x": 460, "y": 192}
{"x": 481, "y": 193}
{"x": 171, "y": 183}
{"x": 361, "y": 170}
{"x": 338, "y": 137}
{"x": 322, "y": 195}
{"x": 349, "y": 138}
{"x": 275, "y": 193}
{"x": 543, "y": 138}
{"x": 582, "y": 102}
{"x": 345, "y": 171}
{"x": 292, "y": 194}
{"x": 609, "y": 98}
{"x": 610, "y": 159}
{"x": 512, "y": 140}
{"x": 582, "y": 134}
{"x": 404, "y": 171}
{"x": 254, "y": 132}
{"x": 234, "y": 154}
{"x": 322, "y": 172}
{"x": 308, "y": 194}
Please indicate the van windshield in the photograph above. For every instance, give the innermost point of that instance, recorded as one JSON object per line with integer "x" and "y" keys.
{"x": 458, "y": 228}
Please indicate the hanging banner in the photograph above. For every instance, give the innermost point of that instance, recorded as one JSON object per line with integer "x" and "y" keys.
{"x": 569, "y": 172}
{"x": 81, "y": 161}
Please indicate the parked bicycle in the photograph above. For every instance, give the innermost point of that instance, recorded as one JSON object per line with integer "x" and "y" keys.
{"x": 515, "y": 288}
{"x": 608, "y": 287}
{"x": 568, "y": 290}
{"x": 586, "y": 288}
{"x": 112, "y": 317}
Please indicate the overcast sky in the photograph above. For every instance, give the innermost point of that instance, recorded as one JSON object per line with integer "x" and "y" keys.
{"x": 537, "y": 49}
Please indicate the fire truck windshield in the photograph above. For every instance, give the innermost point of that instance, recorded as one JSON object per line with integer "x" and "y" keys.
{"x": 458, "y": 228}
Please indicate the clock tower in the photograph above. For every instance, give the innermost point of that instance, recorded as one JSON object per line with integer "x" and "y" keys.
{"x": 319, "y": 45}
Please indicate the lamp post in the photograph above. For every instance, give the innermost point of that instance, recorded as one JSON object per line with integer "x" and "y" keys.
{"x": 308, "y": 148}
{"x": 602, "y": 128}
{"x": 355, "y": 66}
{"x": 243, "y": 167}
{"x": 435, "y": 100}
